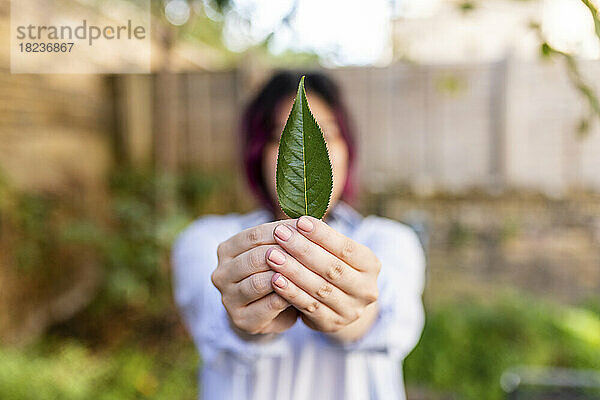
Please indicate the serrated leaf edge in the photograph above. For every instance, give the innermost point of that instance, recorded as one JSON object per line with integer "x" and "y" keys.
{"x": 311, "y": 115}
{"x": 301, "y": 90}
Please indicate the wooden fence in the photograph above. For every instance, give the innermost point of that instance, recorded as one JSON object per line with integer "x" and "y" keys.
{"x": 496, "y": 126}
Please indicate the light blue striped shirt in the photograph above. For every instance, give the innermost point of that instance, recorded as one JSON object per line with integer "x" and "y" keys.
{"x": 303, "y": 364}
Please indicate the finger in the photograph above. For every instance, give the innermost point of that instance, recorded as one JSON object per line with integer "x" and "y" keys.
{"x": 319, "y": 260}
{"x": 247, "y": 239}
{"x": 261, "y": 312}
{"x": 319, "y": 313}
{"x": 309, "y": 322}
{"x": 254, "y": 287}
{"x": 310, "y": 282}
{"x": 353, "y": 253}
{"x": 249, "y": 262}
{"x": 284, "y": 321}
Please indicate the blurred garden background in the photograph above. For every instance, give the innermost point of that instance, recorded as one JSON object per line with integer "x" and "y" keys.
{"x": 477, "y": 124}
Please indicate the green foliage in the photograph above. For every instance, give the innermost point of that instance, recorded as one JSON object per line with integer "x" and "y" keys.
{"x": 133, "y": 305}
{"x": 32, "y": 225}
{"x": 131, "y": 240}
{"x": 584, "y": 87}
{"x": 466, "y": 346}
{"x": 451, "y": 84}
{"x": 73, "y": 372}
{"x": 304, "y": 176}
{"x": 136, "y": 242}
{"x": 33, "y": 214}
{"x": 595, "y": 15}
{"x": 579, "y": 83}
{"x": 459, "y": 235}
{"x": 467, "y": 6}
{"x": 132, "y": 254}
{"x": 464, "y": 349}
{"x": 67, "y": 375}
{"x": 45, "y": 234}
{"x": 127, "y": 345}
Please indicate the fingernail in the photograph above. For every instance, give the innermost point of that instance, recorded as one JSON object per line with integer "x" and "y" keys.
{"x": 283, "y": 232}
{"x": 277, "y": 256}
{"x": 305, "y": 224}
{"x": 279, "y": 280}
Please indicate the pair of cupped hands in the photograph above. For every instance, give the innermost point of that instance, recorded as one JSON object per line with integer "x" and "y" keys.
{"x": 273, "y": 273}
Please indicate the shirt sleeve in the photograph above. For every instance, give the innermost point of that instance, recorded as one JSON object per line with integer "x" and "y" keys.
{"x": 194, "y": 259}
{"x": 400, "y": 321}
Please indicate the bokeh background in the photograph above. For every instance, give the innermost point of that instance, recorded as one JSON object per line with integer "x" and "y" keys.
{"x": 478, "y": 125}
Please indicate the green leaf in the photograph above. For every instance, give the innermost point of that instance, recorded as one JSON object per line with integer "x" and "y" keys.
{"x": 304, "y": 177}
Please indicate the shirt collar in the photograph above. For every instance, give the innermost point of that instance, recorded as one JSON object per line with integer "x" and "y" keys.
{"x": 342, "y": 217}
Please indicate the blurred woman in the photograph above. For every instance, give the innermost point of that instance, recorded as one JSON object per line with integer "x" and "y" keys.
{"x": 300, "y": 308}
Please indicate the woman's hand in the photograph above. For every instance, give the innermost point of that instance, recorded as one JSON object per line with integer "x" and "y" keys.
{"x": 328, "y": 277}
{"x": 244, "y": 280}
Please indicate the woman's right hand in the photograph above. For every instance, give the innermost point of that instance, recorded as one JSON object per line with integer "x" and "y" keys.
{"x": 244, "y": 279}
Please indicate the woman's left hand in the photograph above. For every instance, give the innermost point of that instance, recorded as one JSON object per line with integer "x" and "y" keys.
{"x": 328, "y": 277}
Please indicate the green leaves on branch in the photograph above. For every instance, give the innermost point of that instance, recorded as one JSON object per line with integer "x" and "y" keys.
{"x": 577, "y": 79}
{"x": 304, "y": 177}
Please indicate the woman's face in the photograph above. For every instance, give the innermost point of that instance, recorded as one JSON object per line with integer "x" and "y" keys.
{"x": 336, "y": 145}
